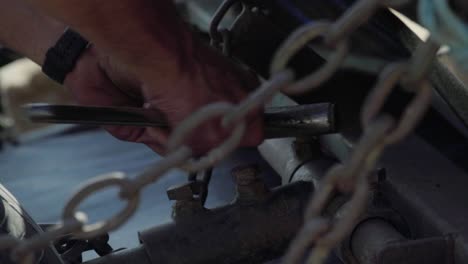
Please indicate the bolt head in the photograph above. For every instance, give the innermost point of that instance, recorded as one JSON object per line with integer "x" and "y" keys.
{"x": 246, "y": 174}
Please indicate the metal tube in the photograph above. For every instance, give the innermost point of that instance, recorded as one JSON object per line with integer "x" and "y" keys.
{"x": 281, "y": 156}
{"x": 292, "y": 121}
{"x": 293, "y": 161}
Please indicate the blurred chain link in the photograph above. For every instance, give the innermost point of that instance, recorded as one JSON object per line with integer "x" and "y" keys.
{"x": 320, "y": 232}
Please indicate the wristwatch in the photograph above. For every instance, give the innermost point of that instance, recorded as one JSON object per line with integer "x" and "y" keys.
{"x": 62, "y": 57}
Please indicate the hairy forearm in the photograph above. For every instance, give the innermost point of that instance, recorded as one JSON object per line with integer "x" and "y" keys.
{"x": 139, "y": 32}
{"x": 26, "y": 31}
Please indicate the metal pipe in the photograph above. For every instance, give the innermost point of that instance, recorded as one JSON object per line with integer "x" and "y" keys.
{"x": 295, "y": 160}
{"x": 299, "y": 121}
{"x": 281, "y": 156}
{"x": 292, "y": 121}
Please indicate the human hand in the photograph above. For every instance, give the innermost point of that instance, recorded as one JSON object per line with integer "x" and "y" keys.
{"x": 205, "y": 77}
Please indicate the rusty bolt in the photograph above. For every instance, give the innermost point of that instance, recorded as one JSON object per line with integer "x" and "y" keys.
{"x": 246, "y": 174}
{"x": 186, "y": 204}
{"x": 250, "y": 186}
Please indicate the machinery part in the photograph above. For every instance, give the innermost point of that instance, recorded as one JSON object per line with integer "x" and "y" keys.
{"x": 250, "y": 186}
{"x": 127, "y": 256}
{"x": 236, "y": 233}
{"x": 376, "y": 241}
{"x": 72, "y": 249}
{"x": 300, "y": 121}
{"x": 297, "y": 121}
{"x": 184, "y": 191}
{"x": 293, "y": 165}
{"x": 190, "y": 197}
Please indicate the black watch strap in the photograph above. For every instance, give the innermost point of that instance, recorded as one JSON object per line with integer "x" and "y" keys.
{"x": 62, "y": 57}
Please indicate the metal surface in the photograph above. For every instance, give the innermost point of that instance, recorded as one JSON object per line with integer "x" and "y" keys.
{"x": 127, "y": 256}
{"x": 236, "y": 233}
{"x": 71, "y": 250}
{"x": 300, "y": 121}
{"x": 375, "y": 241}
{"x": 292, "y": 164}
{"x": 295, "y": 121}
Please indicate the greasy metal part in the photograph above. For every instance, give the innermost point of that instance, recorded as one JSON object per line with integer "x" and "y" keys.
{"x": 190, "y": 197}
{"x": 127, "y": 256}
{"x": 291, "y": 164}
{"x": 282, "y": 157}
{"x": 375, "y": 241}
{"x": 71, "y": 250}
{"x": 236, "y": 233}
{"x": 295, "y": 121}
{"x": 299, "y": 120}
{"x": 313, "y": 170}
{"x": 184, "y": 191}
{"x": 250, "y": 186}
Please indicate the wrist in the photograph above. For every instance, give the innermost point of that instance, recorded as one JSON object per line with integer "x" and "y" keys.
{"x": 48, "y": 38}
{"x": 45, "y": 36}
{"x": 63, "y": 56}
